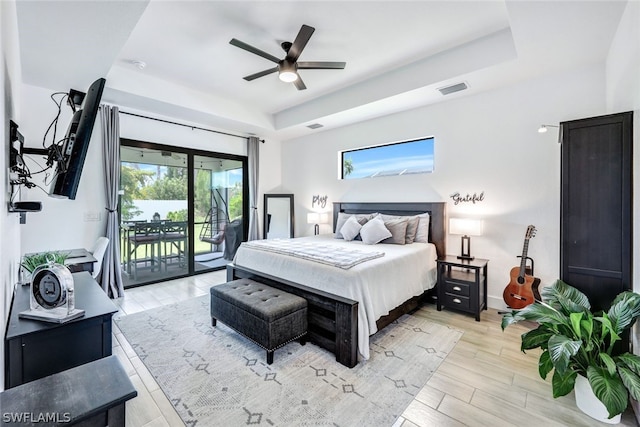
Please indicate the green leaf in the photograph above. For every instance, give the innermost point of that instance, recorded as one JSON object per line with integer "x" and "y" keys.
{"x": 609, "y": 389}
{"x": 631, "y": 381}
{"x": 624, "y": 311}
{"x": 561, "y": 348}
{"x": 632, "y": 361}
{"x": 563, "y": 383}
{"x": 607, "y": 328}
{"x": 587, "y": 325}
{"x": 536, "y": 338}
{"x": 545, "y": 365}
{"x": 510, "y": 319}
{"x": 609, "y": 363}
{"x": 575, "y": 323}
{"x": 566, "y": 298}
{"x": 543, "y": 313}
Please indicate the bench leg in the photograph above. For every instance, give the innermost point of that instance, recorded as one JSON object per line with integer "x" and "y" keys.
{"x": 213, "y": 321}
{"x": 303, "y": 340}
{"x": 269, "y": 357}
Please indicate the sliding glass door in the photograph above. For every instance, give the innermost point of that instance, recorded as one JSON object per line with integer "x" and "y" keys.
{"x": 182, "y": 211}
{"x": 218, "y": 213}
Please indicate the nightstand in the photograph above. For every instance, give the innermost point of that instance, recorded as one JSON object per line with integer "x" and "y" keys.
{"x": 462, "y": 284}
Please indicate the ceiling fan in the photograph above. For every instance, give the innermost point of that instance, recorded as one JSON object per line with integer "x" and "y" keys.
{"x": 288, "y": 67}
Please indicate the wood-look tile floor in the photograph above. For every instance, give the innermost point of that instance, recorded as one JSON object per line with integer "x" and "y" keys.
{"x": 485, "y": 381}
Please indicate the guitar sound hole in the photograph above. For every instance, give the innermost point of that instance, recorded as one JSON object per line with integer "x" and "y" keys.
{"x": 520, "y": 280}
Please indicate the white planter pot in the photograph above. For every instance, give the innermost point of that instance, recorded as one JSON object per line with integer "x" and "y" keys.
{"x": 589, "y": 403}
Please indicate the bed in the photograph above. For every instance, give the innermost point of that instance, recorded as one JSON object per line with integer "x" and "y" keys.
{"x": 347, "y": 305}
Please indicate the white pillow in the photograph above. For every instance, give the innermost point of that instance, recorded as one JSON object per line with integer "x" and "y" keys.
{"x": 350, "y": 229}
{"x": 374, "y": 231}
{"x": 343, "y": 217}
{"x": 422, "y": 234}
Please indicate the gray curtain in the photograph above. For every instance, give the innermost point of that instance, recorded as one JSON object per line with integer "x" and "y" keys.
{"x": 111, "y": 273}
{"x": 253, "y": 152}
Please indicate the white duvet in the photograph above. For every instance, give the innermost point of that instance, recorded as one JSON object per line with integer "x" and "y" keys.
{"x": 379, "y": 285}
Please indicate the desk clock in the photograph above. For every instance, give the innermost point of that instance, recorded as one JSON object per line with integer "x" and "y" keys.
{"x": 51, "y": 297}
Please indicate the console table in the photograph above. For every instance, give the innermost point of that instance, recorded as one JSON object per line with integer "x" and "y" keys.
{"x": 35, "y": 349}
{"x": 89, "y": 395}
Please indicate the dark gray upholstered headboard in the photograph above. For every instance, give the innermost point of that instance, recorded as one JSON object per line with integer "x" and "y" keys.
{"x": 437, "y": 212}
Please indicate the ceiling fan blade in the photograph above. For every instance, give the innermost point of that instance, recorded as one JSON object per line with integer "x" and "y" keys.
{"x": 299, "y": 83}
{"x": 320, "y": 65}
{"x": 260, "y": 74}
{"x": 300, "y": 42}
{"x": 255, "y": 50}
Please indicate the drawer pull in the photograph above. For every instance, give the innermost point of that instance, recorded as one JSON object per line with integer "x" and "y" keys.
{"x": 457, "y": 288}
{"x": 457, "y": 301}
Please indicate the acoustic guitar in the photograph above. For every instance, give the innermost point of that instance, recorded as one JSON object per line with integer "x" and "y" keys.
{"x": 522, "y": 290}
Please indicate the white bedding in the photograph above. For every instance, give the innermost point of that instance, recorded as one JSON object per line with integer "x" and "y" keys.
{"x": 379, "y": 285}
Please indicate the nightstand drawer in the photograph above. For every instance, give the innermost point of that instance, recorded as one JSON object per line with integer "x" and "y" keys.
{"x": 457, "y": 288}
{"x": 456, "y": 301}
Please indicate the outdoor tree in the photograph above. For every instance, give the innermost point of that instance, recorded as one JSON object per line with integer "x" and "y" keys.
{"x": 132, "y": 181}
{"x": 347, "y": 167}
{"x": 170, "y": 186}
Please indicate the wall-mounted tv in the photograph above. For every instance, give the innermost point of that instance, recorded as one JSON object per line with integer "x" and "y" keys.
{"x": 76, "y": 144}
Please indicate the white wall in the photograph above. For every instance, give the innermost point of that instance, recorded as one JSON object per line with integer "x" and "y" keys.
{"x": 487, "y": 142}
{"x": 623, "y": 63}
{"x": 623, "y": 94}
{"x": 71, "y": 223}
{"x": 9, "y": 109}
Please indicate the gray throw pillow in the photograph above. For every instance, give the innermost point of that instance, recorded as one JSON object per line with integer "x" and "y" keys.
{"x": 398, "y": 230}
{"x": 412, "y": 225}
{"x": 374, "y": 231}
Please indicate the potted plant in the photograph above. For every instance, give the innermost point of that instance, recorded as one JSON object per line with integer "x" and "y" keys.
{"x": 578, "y": 343}
{"x": 31, "y": 262}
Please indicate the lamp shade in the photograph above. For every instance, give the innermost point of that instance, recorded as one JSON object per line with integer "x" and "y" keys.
{"x": 313, "y": 218}
{"x": 465, "y": 226}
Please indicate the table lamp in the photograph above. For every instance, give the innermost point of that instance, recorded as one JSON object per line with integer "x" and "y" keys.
{"x": 317, "y": 218}
{"x": 466, "y": 227}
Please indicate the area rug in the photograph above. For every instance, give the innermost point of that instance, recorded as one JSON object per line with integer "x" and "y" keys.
{"x": 215, "y": 377}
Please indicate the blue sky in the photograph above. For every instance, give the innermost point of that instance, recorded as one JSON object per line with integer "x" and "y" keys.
{"x": 406, "y": 158}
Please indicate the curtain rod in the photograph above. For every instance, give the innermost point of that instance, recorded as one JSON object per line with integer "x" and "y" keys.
{"x": 182, "y": 124}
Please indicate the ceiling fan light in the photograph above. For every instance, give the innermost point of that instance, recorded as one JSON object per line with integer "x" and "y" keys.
{"x": 288, "y": 76}
{"x": 287, "y": 71}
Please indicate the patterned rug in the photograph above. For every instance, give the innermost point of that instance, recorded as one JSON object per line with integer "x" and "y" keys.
{"x": 215, "y": 377}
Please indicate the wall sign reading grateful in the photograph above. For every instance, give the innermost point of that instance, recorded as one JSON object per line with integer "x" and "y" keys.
{"x": 473, "y": 198}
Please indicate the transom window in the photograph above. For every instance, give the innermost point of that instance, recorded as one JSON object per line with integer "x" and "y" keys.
{"x": 397, "y": 158}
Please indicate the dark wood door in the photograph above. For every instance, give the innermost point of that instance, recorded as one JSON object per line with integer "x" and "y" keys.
{"x": 596, "y": 209}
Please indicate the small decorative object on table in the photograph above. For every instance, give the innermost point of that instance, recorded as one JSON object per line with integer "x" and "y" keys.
{"x": 578, "y": 343}
{"x": 52, "y": 294}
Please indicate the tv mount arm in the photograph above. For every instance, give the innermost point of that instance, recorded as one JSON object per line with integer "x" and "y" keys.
{"x": 19, "y": 174}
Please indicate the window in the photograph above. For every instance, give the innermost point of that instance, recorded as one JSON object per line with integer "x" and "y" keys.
{"x": 397, "y": 158}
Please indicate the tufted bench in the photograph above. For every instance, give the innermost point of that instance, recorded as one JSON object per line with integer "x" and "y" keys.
{"x": 267, "y": 316}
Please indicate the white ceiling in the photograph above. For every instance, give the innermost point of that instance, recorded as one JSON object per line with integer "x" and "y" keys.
{"x": 398, "y": 53}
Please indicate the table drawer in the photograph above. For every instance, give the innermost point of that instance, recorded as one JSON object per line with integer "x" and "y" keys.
{"x": 457, "y": 288}
{"x": 457, "y": 301}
